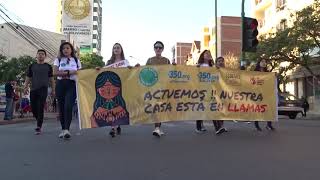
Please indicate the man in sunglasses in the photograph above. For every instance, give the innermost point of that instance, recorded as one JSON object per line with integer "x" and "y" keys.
{"x": 158, "y": 60}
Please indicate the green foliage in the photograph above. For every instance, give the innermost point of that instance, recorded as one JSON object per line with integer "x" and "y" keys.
{"x": 297, "y": 45}
{"x": 89, "y": 61}
{"x": 14, "y": 68}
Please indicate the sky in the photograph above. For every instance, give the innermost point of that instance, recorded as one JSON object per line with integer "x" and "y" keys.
{"x": 136, "y": 24}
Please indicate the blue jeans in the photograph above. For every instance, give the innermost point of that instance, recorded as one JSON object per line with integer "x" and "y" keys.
{"x": 8, "y": 114}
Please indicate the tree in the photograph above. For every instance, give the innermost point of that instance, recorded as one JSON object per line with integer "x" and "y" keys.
{"x": 89, "y": 61}
{"x": 14, "y": 68}
{"x": 294, "y": 46}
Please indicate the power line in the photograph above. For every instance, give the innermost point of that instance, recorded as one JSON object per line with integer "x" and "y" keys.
{"x": 31, "y": 35}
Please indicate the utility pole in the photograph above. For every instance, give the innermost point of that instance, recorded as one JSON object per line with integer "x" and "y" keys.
{"x": 242, "y": 59}
{"x": 216, "y": 27}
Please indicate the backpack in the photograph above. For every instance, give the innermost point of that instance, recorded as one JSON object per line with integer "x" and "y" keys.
{"x": 75, "y": 58}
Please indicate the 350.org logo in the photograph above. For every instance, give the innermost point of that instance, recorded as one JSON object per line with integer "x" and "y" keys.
{"x": 178, "y": 76}
{"x": 208, "y": 77}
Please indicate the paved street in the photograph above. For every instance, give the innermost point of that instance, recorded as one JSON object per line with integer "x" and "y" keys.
{"x": 292, "y": 152}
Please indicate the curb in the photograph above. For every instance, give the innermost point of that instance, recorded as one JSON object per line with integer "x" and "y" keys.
{"x": 17, "y": 121}
{"x": 22, "y": 120}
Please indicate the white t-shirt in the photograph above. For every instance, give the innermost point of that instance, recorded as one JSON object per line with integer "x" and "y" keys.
{"x": 71, "y": 66}
{"x": 204, "y": 65}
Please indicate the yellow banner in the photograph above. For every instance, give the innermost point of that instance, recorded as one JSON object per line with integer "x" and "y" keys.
{"x": 164, "y": 93}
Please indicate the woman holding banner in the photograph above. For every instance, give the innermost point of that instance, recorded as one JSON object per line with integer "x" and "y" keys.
{"x": 219, "y": 124}
{"x": 158, "y": 60}
{"x": 205, "y": 60}
{"x": 117, "y": 60}
{"x": 262, "y": 67}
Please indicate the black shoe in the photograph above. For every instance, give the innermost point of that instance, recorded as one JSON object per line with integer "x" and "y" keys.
{"x": 220, "y": 131}
{"x": 270, "y": 128}
{"x": 37, "y": 131}
{"x": 156, "y": 132}
{"x": 258, "y": 129}
{"x": 112, "y": 133}
{"x": 67, "y": 134}
{"x": 119, "y": 130}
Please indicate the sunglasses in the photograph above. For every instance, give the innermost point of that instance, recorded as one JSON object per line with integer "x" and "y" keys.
{"x": 158, "y": 47}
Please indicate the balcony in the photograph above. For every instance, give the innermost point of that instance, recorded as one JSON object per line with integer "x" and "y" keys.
{"x": 261, "y": 23}
{"x": 261, "y": 5}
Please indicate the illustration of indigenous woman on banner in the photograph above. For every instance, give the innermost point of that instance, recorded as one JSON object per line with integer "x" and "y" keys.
{"x": 109, "y": 108}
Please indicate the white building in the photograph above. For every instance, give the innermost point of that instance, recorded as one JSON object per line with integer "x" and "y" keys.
{"x": 92, "y": 44}
{"x": 274, "y": 15}
{"x": 18, "y": 40}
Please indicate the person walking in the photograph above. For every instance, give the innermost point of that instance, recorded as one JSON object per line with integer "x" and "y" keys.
{"x": 117, "y": 57}
{"x": 9, "y": 89}
{"x": 65, "y": 68}
{"x": 219, "y": 125}
{"x": 39, "y": 75}
{"x": 158, "y": 59}
{"x": 262, "y": 67}
{"x": 205, "y": 60}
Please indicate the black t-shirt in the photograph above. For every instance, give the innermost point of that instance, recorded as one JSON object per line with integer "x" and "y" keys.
{"x": 9, "y": 90}
{"x": 39, "y": 74}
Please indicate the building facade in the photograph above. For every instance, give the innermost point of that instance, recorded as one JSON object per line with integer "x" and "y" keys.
{"x": 182, "y": 51}
{"x": 25, "y": 40}
{"x": 93, "y": 43}
{"x": 228, "y": 41}
{"x": 274, "y": 15}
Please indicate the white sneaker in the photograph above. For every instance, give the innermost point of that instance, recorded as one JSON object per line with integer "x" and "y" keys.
{"x": 67, "y": 134}
{"x": 61, "y": 135}
{"x": 161, "y": 132}
{"x": 157, "y": 132}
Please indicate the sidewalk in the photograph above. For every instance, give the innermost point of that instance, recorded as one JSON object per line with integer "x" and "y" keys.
{"x": 26, "y": 118}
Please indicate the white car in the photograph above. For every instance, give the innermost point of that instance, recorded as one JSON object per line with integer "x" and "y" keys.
{"x": 289, "y": 105}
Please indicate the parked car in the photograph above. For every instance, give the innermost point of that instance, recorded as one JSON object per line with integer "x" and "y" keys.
{"x": 289, "y": 105}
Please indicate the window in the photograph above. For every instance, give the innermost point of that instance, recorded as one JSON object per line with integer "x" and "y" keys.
{"x": 94, "y": 36}
{"x": 94, "y": 45}
{"x": 281, "y": 4}
{"x": 95, "y": 18}
{"x": 258, "y": 1}
{"x": 282, "y": 25}
{"x": 95, "y": 9}
{"x": 95, "y": 27}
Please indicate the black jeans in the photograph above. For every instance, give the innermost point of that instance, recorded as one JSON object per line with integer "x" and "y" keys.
{"x": 157, "y": 125}
{"x": 66, "y": 95}
{"x": 37, "y": 100}
{"x": 217, "y": 124}
{"x": 199, "y": 124}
